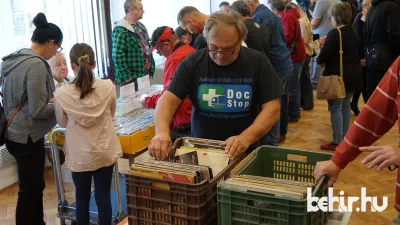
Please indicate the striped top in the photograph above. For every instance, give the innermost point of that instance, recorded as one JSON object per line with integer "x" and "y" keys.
{"x": 376, "y": 118}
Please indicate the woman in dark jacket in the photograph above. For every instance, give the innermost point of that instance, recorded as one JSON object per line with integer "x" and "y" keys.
{"x": 359, "y": 27}
{"x": 330, "y": 57}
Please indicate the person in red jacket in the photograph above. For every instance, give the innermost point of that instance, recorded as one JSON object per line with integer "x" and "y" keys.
{"x": 294, "y": 41}
{"x": 167, "y": 44}
{"x": 376, "y": 118}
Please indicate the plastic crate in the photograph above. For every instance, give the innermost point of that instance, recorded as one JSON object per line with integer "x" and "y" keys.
{"x": 239, "y": 207}
{"x": 159, "y": 202}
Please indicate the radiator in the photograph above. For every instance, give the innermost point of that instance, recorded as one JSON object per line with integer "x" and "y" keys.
{"x": 8, "y": 169}
{"x": 5, "y": 157}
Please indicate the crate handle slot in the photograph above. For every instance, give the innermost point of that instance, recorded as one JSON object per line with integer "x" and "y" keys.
{"x": 160, "y": 185}
{"x": 297, "y": 158}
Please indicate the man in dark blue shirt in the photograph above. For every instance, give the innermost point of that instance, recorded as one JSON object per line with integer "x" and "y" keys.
{"x": 234, "y": 91}
{"x": 279, "y": 56}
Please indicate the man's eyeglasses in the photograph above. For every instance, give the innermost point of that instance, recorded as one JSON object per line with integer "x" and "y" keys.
{"x": 60, "y": 48}
{"x": 160, "y": 46}
{"x": 231, "y": 50}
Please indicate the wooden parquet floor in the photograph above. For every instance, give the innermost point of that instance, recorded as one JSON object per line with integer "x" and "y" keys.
{"x": 313, "y": 129}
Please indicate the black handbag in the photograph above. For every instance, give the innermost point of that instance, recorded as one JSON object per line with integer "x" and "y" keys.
{"x": 378, "y": 56}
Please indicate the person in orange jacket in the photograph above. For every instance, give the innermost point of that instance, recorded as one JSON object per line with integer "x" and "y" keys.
{"x": 167, "y": 44}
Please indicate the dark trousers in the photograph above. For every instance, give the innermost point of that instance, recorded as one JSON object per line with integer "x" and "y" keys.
{"x": 363, "y": 91}
{"x": 30, "y": 163}
{"x": 102, "y": 191}
{"x": 374, "y": 76}
{"x": 306, "y": 88}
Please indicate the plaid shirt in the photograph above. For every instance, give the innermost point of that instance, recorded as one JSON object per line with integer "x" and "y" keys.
{"x": 127, "y": 53}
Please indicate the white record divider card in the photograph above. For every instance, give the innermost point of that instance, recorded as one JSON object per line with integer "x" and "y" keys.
{"x": 143, "y": 82}
{"x": 127, "y": 90}
{"x": 131, "y": 106}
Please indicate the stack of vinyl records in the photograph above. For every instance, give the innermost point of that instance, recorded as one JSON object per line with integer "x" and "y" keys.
{"x": 171, "y": 171}
{"x": 139, "y": 119}
{"x": 193, "y": 162}
{"x": 134, "y": 121}
{"x": 266, "y": 185}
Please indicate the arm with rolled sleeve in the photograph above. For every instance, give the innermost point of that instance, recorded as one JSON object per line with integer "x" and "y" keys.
{"x": 37, "y": 92}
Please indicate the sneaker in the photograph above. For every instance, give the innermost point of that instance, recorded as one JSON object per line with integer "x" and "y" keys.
{"x": 329, "y": 146}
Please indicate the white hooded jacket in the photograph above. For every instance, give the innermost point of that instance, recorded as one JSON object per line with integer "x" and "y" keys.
{"x": 91, "y": 141}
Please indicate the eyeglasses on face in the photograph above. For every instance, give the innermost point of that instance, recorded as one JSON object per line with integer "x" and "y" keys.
{"x": 160, "y": 46}
{"x": 227, "y": 51}
{"x": 59, "y": 48}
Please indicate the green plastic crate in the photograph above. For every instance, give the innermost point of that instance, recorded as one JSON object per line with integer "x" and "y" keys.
{"x": 237, "y": 207}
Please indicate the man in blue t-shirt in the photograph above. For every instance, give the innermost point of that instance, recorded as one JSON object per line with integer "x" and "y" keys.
{"x": 279, "y": 56}
{"x": 234, "y": 91}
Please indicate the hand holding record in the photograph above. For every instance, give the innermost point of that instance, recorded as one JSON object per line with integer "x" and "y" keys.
{"x": 160, "y": 146}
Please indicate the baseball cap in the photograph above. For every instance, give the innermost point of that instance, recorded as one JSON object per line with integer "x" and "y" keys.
{"x": 160, "y": 35}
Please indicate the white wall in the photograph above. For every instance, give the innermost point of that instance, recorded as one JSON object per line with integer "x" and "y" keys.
{"x": 215, "y": 4}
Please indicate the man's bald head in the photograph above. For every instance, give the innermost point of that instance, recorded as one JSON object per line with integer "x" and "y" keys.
{"x": 59, "y": 68}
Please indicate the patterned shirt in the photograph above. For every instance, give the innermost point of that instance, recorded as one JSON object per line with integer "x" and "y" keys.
{"x": 376, "y": 118}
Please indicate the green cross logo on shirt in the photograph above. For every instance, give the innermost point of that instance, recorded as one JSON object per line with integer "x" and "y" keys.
{"x": 209, "y": 96}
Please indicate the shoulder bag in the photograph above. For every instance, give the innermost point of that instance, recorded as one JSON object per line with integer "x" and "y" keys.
{"x": 4, "y": 123}
{"x": 332, "y": 87}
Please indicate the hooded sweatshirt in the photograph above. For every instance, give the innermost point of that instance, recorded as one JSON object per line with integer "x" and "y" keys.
{"x": 91, "y": 142}
{"x": 291, "y": 26}
{"x": 382, "y": 26}
{"x": 27, "y": 76}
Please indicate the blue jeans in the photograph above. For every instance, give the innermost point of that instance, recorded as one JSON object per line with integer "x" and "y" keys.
{"x": 102, "y": 194}
{"x": 272, "y": 137}
{"x": 294, "y": 90}
{"x": 340, "y": 117}
{"x": 316, "y": 73}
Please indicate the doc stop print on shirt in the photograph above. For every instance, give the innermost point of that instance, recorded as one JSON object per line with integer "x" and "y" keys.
{"x": 225, "y": 98}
